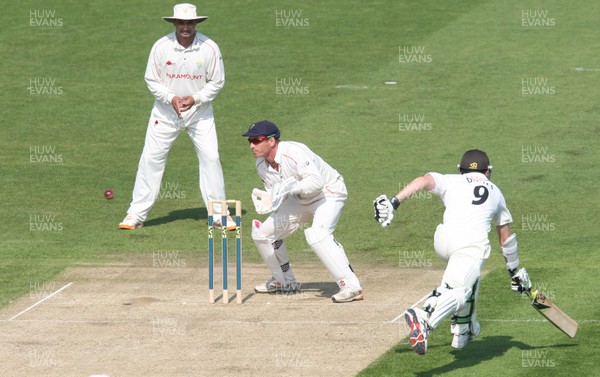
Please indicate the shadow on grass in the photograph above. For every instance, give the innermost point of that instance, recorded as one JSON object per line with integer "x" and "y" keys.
{"x": 479, "y": 351}
{"x": 180, "y": 214}
{"x": 195, "y": 214}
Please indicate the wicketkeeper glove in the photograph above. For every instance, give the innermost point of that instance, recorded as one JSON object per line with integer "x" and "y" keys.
{"x": 280, "y": 191}
{"x": 384, "y": 209}
{"x": 262, "y": 200}
{"x": 519, "y": 280}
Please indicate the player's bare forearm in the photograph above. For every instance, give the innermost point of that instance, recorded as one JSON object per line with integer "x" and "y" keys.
{"x": 425, "y": 182}
{"x": 503, "y": 233}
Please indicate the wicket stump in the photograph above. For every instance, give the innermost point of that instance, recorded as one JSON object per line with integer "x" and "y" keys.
{"x": 238, "y": 249}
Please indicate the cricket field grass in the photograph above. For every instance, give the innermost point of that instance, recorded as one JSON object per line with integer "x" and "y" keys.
{"x": 384, "y": 91}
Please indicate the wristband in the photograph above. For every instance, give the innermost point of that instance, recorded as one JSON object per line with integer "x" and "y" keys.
{"x": 395, "y": 202}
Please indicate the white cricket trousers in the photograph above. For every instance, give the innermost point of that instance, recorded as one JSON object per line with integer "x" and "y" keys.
{"x": 325, "y": 214}
{"x": 159, "y": 140}
{"x": 292, "y": 215}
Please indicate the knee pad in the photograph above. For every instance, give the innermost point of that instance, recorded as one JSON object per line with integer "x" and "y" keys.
{"x": 332, "y": 255}
{"x": 465, "y": 318}
{"x": 257, "y": 234}
{"x": 444, "y": 301}
{"x": 266, "y": 251}
{"x": 277, "y": 244}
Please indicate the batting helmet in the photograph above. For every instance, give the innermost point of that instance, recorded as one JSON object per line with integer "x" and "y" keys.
{"x": 474, "y": 160}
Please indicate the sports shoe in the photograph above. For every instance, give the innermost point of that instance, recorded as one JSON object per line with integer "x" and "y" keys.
{"x": 272, "y": 286}
{"x": 347, "y": 294}
{"x": 418, "y": 330}
{"x": 130, "y": 222}
{"x": 230, "y": 223}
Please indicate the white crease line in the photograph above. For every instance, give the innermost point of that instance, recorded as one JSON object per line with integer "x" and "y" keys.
{"x": 42, "y": 300}
{"x": 300, "y": 322}
{"x": 586, "y": 69}
{"x": 70, "y": 321}
{"x": 223, "y": 322}
{"x": 533, "y": 320}
{"x": 351, "y": 87}
{"x": 241, "y": 322}
{"x": 413, "y": 305}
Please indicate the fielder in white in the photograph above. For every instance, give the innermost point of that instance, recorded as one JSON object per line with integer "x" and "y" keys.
{"x": 184, "y": 73}
{"x": 472, "y": 203}
{"x": 299, "y": 186}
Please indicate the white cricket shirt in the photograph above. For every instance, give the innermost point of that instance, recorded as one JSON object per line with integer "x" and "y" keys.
{"x": 472, "y": 203}
{"x": 296, "y": 160}
{"x": 173, "y": 70}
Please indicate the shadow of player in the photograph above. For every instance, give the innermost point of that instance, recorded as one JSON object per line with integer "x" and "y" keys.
{"x": 479, "y": 351}
{"x": 196, "y": 214}
{"x": 322, "y": 288}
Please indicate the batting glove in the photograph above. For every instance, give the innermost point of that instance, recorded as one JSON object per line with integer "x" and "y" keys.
{"x": 519, "y": 280}
{"x": 384, "y": 209}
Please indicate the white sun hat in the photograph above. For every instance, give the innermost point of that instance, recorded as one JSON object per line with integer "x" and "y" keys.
{"x": 185, "y": 12}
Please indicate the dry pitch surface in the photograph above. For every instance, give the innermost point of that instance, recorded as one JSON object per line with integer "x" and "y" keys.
{"x": 125, "y": 320}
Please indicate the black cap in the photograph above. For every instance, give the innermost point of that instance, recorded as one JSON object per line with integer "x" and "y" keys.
{"x": 263, "y": 128}
{"x": 474, "y": 160}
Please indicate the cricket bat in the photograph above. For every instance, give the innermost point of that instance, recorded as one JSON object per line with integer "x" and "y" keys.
{"x": 553, "y": 314}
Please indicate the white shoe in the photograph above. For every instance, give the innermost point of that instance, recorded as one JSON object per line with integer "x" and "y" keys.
{"x": 231, "y": 225}
{"x": 348, "y": 294}
{"x": 130, "y": 222}
{"x": 272, "y": 286}
{"x": 415, "y": 319}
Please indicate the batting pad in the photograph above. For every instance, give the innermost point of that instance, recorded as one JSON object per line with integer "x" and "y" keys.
{"x": 332, "y": 255}
{"x": 267, "y": 252}
{"x": 448, "y": 302}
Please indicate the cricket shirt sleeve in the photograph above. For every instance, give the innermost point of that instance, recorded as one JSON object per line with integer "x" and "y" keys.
{"x": 153, "y": 75}
{"x": 310, "y": 179}
{"x": 214, "y": 73}
{"x": 440, "y": 184}
{"x": 502, "y": 216}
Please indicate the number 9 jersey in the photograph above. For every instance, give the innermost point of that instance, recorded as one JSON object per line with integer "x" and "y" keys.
{"x": 472, "y": 203}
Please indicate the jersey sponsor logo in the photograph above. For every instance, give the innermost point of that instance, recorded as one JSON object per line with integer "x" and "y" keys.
{"x": 185, "y": 76}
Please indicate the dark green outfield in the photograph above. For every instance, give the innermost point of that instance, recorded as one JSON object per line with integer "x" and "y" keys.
{"x": 517, "y": 79}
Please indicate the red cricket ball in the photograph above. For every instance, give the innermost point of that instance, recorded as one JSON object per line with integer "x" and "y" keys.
{"x": 108, "y": 194}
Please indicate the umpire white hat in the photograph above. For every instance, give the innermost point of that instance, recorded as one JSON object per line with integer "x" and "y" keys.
{"x": 186, "y": 12}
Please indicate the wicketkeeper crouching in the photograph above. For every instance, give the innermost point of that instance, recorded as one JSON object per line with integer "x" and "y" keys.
{"x": 300, "y": 187}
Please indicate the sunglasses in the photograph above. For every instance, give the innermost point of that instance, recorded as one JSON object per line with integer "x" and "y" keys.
{"x": 259, "y": 139}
